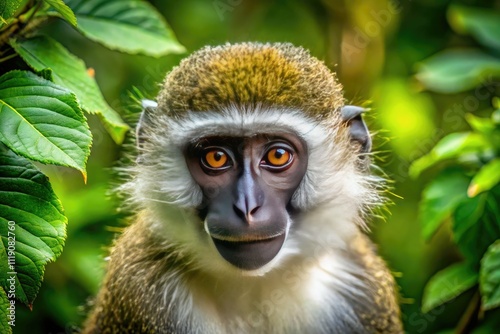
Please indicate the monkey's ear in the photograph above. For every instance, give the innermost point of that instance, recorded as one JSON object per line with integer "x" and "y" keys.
{"x": 148, "y": 107}
{"x": 358, "y": 129}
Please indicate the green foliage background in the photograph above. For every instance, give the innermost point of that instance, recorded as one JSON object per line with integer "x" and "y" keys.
{"x": 382, "y": 43}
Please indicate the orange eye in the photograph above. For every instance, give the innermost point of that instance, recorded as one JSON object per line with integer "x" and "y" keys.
{"x": 216, "y": 159}
{"x": 278, "y": 157}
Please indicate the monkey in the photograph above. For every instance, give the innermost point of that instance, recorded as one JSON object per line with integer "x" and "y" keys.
{"x": 253, "y": 191}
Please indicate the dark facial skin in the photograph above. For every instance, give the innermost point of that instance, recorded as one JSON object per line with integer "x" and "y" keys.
{"x": 247, "y": 185}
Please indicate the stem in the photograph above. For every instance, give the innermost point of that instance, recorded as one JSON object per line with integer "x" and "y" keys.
{"x": 14, "y": 21}
{"x": 15, "y": 25}
{"x": 29, "y": 11}
{"x": 8, "y": 57}
{"x": 32, "y": 25}
{"x": 467, "y": 320}
{"x": 24, "y": 24}
{"x": 27, "y": 21}
{"x": 5, "y": 35}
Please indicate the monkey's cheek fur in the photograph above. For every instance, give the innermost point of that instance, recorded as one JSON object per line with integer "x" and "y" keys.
{"x": 250, "y": 255}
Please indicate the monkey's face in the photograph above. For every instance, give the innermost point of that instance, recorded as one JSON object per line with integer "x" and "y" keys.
{"x": 247, "y": 185}
{"x": 250, "y": 160}
{"x": 230, "y": 190}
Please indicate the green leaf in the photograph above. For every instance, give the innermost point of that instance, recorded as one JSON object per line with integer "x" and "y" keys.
{"x": 31, "y": 213}
{"x": 8, "y": 9}
{"x": 487, "y": 177}
{"x": 42, "y": 52}
{"x": 495, "y": 101}
{"x": 476, "y": 224}
{"x": 63, "y": 10}
{"x": 131, "y": 26}
{"x": 489, "y": 277}
{"x": 5, "y": 313}
{"x": 496, "y": 116}
{"x": 496, "y": 113}
{"x": 42, "y": 121}
{"x": 454, "y": 71}
{"x": 479, "y": 124}
{"x": 451, "y": 146}
{"x": 483, "y": 24}
{"x": 46, "y": 73}
{"x": 439, "y": 198}
{"x": 448, "y": 284}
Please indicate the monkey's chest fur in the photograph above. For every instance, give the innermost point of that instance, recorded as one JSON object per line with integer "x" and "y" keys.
{"x": 155, "y": 290}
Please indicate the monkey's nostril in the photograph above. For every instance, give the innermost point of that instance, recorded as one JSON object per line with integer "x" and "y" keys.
{"x": 250, "y": 217}
{"x": 238, "y": 212}
{"x": 254, "y": 210}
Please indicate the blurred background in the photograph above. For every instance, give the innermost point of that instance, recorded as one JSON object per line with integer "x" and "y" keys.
{"x": 374, "y": 46}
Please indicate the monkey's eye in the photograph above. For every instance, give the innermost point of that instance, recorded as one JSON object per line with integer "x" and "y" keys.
{"x": 277, "y": 158}
{"x": 215, "y": 159}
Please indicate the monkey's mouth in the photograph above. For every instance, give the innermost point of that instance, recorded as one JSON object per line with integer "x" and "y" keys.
{"x": 250, "y": 255}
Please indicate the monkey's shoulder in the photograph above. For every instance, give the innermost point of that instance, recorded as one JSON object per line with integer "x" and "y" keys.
{"x": 384, "y": 314}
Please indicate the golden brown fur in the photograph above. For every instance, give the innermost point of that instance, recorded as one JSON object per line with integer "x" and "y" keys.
{"x": 249, "y": 74}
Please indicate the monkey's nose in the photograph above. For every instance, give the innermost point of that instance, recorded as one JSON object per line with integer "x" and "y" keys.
{"x": 248, "y": 198}
{"x": 245, "y": 210}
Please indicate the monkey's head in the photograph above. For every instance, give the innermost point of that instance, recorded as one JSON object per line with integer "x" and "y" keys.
{"x": 245, "y": 141}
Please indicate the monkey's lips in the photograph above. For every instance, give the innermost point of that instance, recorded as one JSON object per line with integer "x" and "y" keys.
{"x": 250, "y": 255}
